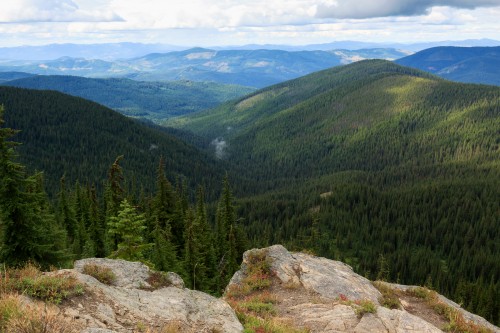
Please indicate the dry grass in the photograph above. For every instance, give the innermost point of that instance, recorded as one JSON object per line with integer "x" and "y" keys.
{"x": 101, "y": 273}
{"x": 457, "y": 322}
{"x": 158, "y": 280}
{"x": 17, "y": 316}
{"x": 22, "y": 315}
{"x": 30, "y": 281}
{"x": 389, "y": 298}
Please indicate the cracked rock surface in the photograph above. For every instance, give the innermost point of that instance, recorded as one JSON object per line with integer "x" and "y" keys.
{"x": 130, "y": 303}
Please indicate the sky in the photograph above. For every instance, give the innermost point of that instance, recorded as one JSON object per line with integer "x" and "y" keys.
{"x": 240, "y": 22}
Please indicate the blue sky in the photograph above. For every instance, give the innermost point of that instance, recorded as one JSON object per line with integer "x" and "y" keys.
{"x": 238, "y": 22}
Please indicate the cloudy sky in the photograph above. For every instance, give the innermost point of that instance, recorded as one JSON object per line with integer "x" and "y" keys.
{"x": 238, "y": 22}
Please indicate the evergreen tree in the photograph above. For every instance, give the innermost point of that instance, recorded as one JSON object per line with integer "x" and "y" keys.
{"x": 383, "y": 268}
{"x": 28, "y": 229}
{"x": 66, "y": 214}
{"x": 192, "y": 258}
{"x": 227, "y": 256}
{"x": 164, "y": 253}
{"x": 96, "y": 229}
{"x": 129, "y": 227}
{"x": 199, "y": 252}
{"x": 114, "y": 194}
{"x": 80, "y": 246}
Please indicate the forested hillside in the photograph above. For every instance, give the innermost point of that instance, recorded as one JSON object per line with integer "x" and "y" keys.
{"x": 150, "y": 100}
{"x": 160, "y": 227}
{"x": 375, "y": 164}
{"x": 65, "y": 135}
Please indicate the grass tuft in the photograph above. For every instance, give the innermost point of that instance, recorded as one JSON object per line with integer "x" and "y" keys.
{"x": 158, "y": 280}
{"x": 101, "y": 273}
{"x": 389, "y": 298}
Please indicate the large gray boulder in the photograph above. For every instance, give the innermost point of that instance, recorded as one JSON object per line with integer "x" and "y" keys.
{"x": 130, "y": 301}
{"x": 327, "y": 278}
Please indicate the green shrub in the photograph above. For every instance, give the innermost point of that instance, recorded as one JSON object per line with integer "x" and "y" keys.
{"x": 364, "y": 306}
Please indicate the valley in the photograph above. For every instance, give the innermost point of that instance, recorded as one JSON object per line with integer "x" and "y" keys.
{"x": 387, "y": 168}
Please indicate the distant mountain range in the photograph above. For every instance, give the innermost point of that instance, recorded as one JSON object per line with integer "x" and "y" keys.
{"x": 154, "y": 101}
{"x": 106, "y": 51}
{"x": 113, "y": 51}
{"x": 463, "y": 64}
{"x": 255, "y": 68}
{"x": 355, "y": 45}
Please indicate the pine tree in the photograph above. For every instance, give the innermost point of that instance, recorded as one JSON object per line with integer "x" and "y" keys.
{"x": 66, "y": 214}
{"x": 129, "y": 227}
{"x": 227, "y": 253}
{"x": 164, "y": 253}
{"x": 80, "y": 246}
{"x": 96, "y": 229}
{"x": 383, "y": 268}
{"x": 192, "y": 257}
{"x": 199, "y": 252}
{"x": 28, "y": 228}
{"x": 114, "y": 195}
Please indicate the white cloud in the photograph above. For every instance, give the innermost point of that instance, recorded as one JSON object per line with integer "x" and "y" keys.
{"x": 24, "y": 11}
{"x": 237, "y": 22}
{"x": 360, "y": 9}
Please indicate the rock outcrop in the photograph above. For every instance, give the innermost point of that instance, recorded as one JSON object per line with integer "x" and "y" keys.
{"x": 130, "y": 303}
{"x": 324, "y": 295}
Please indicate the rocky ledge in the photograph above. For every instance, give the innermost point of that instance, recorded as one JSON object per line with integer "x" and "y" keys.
{"x": 298, "y": 291}
{"x": 131, "y": 303}
{"x": 321, "y": 295}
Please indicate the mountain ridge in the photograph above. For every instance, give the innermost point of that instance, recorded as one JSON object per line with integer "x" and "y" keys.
{"x": 471, "y": 65}
{"x": 86, "y": 138}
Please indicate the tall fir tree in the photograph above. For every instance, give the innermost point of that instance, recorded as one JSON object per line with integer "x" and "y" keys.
{"x": 28, "y": 229}
{"x": 164, "y": 253}
{"x": 96, "y": 228}
{"x": 226, "y": 236}
{"x": 114, "y": 195}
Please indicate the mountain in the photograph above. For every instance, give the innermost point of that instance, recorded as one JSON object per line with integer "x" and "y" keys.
{"x": 254, "y": 68}
{"x": 70, "y": 66}
{"x": 66, "y": 135}
{"x": 372, "y": 160}
{"x": 107, "y": 51}
{"x": 9, "y": 76}
{"x": 356, "y": 45}
{"x": 463, "y": 64}
{"x": 115, "y": 51}
{"x": 150, "y": 100}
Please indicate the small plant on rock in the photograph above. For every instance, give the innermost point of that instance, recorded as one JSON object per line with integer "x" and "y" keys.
{"x": 158, "y": 280}
{"x": 101, "y": 273}
{"x": 364, "y": 306}
{"x": 389, "y": 298}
